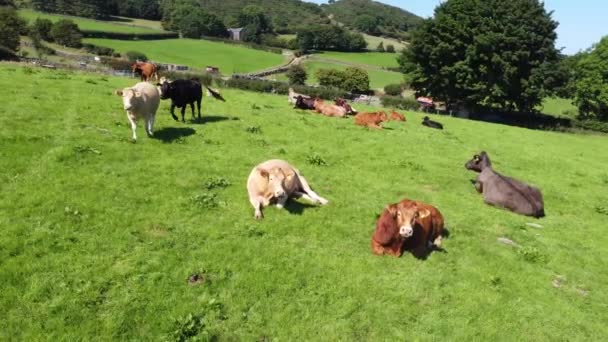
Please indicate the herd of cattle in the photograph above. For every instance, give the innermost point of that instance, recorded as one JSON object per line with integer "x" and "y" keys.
{"x": 408, "y": 225}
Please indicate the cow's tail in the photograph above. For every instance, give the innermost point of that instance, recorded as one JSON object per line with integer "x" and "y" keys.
{"x": 216, "y": 94}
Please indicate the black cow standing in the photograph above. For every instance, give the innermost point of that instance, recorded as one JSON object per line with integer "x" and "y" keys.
{"x": 430, "y": 123}
{"x": 183, "y": 93}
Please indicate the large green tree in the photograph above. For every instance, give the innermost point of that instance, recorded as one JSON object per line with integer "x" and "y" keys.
{"x": 11, "y": 25}
{"x": 256, "y": 23}
{"x": 189, "y": 18}
{"x": 66, "y": 33}
{"x": 489, "y": 53}
{"x": 591, "y": 85}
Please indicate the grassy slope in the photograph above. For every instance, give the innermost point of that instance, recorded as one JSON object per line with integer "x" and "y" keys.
{"x": 378, "y": 78}
{"x": 198, "y": 53}
{"x": 99, "y": 235}
{"x": 366, "y": 58}
{"x": 126, "y": 26}
{"x": 558, "y": 107}
{"x": 373, "y": 41}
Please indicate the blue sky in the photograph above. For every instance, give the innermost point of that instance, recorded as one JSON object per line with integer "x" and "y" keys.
{"x": 581, "y": 23}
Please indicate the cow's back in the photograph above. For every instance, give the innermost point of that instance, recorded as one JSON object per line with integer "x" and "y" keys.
{"x": 150, "y": 97}
{"x": 502, "y": 191}
{"x": 186, "y": 91}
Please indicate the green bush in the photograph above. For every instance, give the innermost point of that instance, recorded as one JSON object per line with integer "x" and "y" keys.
{"x": 11, "y": 26}
{"x": 129, "y": 36}
{"x": 390, "y": 48}
{"x": 41, "y": 28}
{"x": 266, "y": 86}
{"x": 65, "y": 32}
{"x": 351, "y": 79}
{"x": 98, "y": 50}
{"x": 116, "y": 63}
{"x": 136, "y": 56}
{"x": 297, "y": 75}
{"x": 408, "y": 103}
{"x": 393, "y": 89}
{"x": 591, "y": 125}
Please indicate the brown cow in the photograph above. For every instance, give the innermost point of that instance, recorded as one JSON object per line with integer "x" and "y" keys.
{"x": 408, "y": 225}
{"x": 397, "y": 116}
{"x": 371, "y": 120}
{"x": 146, "y": 70}
{"x": 342, "y": 103}
{"x": 329, "y": 109}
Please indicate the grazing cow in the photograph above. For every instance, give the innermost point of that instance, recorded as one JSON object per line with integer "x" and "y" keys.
{"x": 430, "y": 123}
{"x": 141, "y": 100}
{"x": 505, "y": 192}
{"x": 408, "y": 225}
{"x": 342, "y": 103}
{"x": 329, "y": 109}
{"x": 274, "y": 182}
{"x": 145, "y": 70}
{"x": 304, "y": 103}
{"x": 397, "y": 116}
{"x": 292, "y": 97}
{"x": 371, "y": 120}
{"x": 183, "y": 93}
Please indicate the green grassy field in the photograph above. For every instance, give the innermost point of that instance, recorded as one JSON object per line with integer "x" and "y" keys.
{"x": 373, "y": 41}
{"x": 198, "y": 53}
{"x": 377, "y": 78}
{"x": 365, "y": 58}
{"x": 559, "y": 107}
{"x": 126, "y": 25}
{"x": 99, "y": 235}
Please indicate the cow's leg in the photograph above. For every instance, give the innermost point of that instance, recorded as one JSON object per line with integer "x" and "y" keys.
{"x": 184, "y": 114}
{"x": 133, "y": 126}
{"x": 256, "y": 202}
{"x": 478, "y": 186}
{"x": 192, "y": 109}
{"x": 309, "y": 192}
{"x": 173, "y": 111}
{"x": 198, "y": 104}
{"x": 281, "y": 202}
{"x": 149, "y": 125}
{"x": 299, "y": 194}
{"x": 438, "y": 241}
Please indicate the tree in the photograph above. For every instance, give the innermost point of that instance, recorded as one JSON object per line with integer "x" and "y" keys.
{"x": 591, "y": 85}
{"x": 390, "y": 48}
{"x": 65, "y": 32}
{"x": 356, "y": 80}
{"x": 41, "y": 28}
{"x": 380, "y": 47}
{"x": 134, "y": 56}
{"x": 393, "y": 89}
{"x": 255, "y": 22}
{"x": 84, "y": 8}
{"x": 330, "y": 77}
{"x": 297, "y": 75}
{"x": 329, "y": 37}
{"x": 368, "y": 24}
{"x": 11, "y": 26}
{"x": 10, "y": 3}
{"x": 191, "y": 20}
{"x": 483, "y": 53}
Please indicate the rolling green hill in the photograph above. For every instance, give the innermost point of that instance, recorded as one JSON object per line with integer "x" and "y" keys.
{"x": 100, "y": 236}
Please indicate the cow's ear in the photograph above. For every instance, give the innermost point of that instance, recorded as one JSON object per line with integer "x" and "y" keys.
{"x": 422, "y": 213}
{"x": 392, "y": 209}
{"x": 118, "y": 92}
{"x": 263, "y": 173}
{"x": 289, "y": 174}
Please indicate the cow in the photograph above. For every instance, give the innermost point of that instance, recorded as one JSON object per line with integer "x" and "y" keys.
{"x": 397, "y": 116}
{"x": 371, "y": 120}
{"x": 304, "y": 103}
{"x": 140, "y": 101}
{"x": 342, "y": 103}
{"x": 430, "y": 123}
{"x": 329, "y": 109}
{"x": 182, "y": 93}
{"x": 408, "y": 225}
{"x": 505, "y": 192}
{"x": 274, "y": 182}
{"x": 293, "y": 96}
{"x": 145, "y": 70}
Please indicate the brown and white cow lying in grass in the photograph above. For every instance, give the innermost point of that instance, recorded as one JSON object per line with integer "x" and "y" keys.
{"x": 140, "y": 101}
{"x": 274, "y": 182}
{"x": 371, "y": 120}
{"x": 329, "y": 109}
{"x": 408, "y": 225}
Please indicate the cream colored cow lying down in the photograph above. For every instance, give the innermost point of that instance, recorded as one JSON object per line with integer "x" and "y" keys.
{"x": 275, "y": 181}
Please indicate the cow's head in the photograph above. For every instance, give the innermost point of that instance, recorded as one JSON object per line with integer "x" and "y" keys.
{"x": 479, "y": 162}
{"x": 136, "y": 67}
{"x": 129, "y": 96}
{"x": 277, "y": 178}
{"x": 165, "y": 89}
{"x": 407, "y": 215}
{"x": 397, "y": 117}
{"x": 382, "y": 116}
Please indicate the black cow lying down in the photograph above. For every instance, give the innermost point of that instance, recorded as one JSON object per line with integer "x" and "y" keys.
{"x": 505, "y": 192}
{"x": 183, "y": 93}
{"x": 304, "y": 102}
{"x": 430, "y": 123}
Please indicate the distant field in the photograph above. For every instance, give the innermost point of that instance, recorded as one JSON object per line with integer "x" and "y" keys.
{"x": 377, "y": 78}
{"x": 372, "y": 42}
{"x": 125, "y": 25}
{"x": 198, "y": 53}
{"x": 559, "y": 107}
{"x": 368, "y": 58}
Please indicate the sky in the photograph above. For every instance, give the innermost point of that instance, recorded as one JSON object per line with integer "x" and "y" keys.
{"x": 582, "y": 23}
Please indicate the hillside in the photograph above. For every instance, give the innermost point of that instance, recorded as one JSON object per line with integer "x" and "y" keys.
{"x": 373, "y": 17}
{"x": 100, "y": 236}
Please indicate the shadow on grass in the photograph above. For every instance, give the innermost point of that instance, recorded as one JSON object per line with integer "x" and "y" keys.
{"x": 170, "y": 134}
{"x": 423, "y": 253}
{"x": 212, "y": 118}
{"x": 297, "y": 208}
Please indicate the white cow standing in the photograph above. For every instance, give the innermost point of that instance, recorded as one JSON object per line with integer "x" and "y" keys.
{"x": 141, "y": 100}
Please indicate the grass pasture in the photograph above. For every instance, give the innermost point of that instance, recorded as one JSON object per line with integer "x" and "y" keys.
{"x": 119, "y": 24}
{"x": 373, "y": 41}
{"x": 99, "y": 235}
{"x": 198, "y": 53}
{"x": 377, "y": 78}
{"x": 378, "y": 59}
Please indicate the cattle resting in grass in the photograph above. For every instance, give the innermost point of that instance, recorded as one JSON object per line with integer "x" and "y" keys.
{"x": 140, "y": 101}
{"x": 342, "y": 103}
{"x": 293, "y": 96}
{"x": 371, "y": 120}
{"x": 274, "y": 182}
{"x": 304, "y": 103}
{"x": 408, "y": 225}
{"x": 145, "y": 70}
{"x": 430, "y": 123}
{"x": 397, "y": 116}
{"x": 329, "y": 109}
{"x": 182, "y": 93}
{"x": 505, "y": 192}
